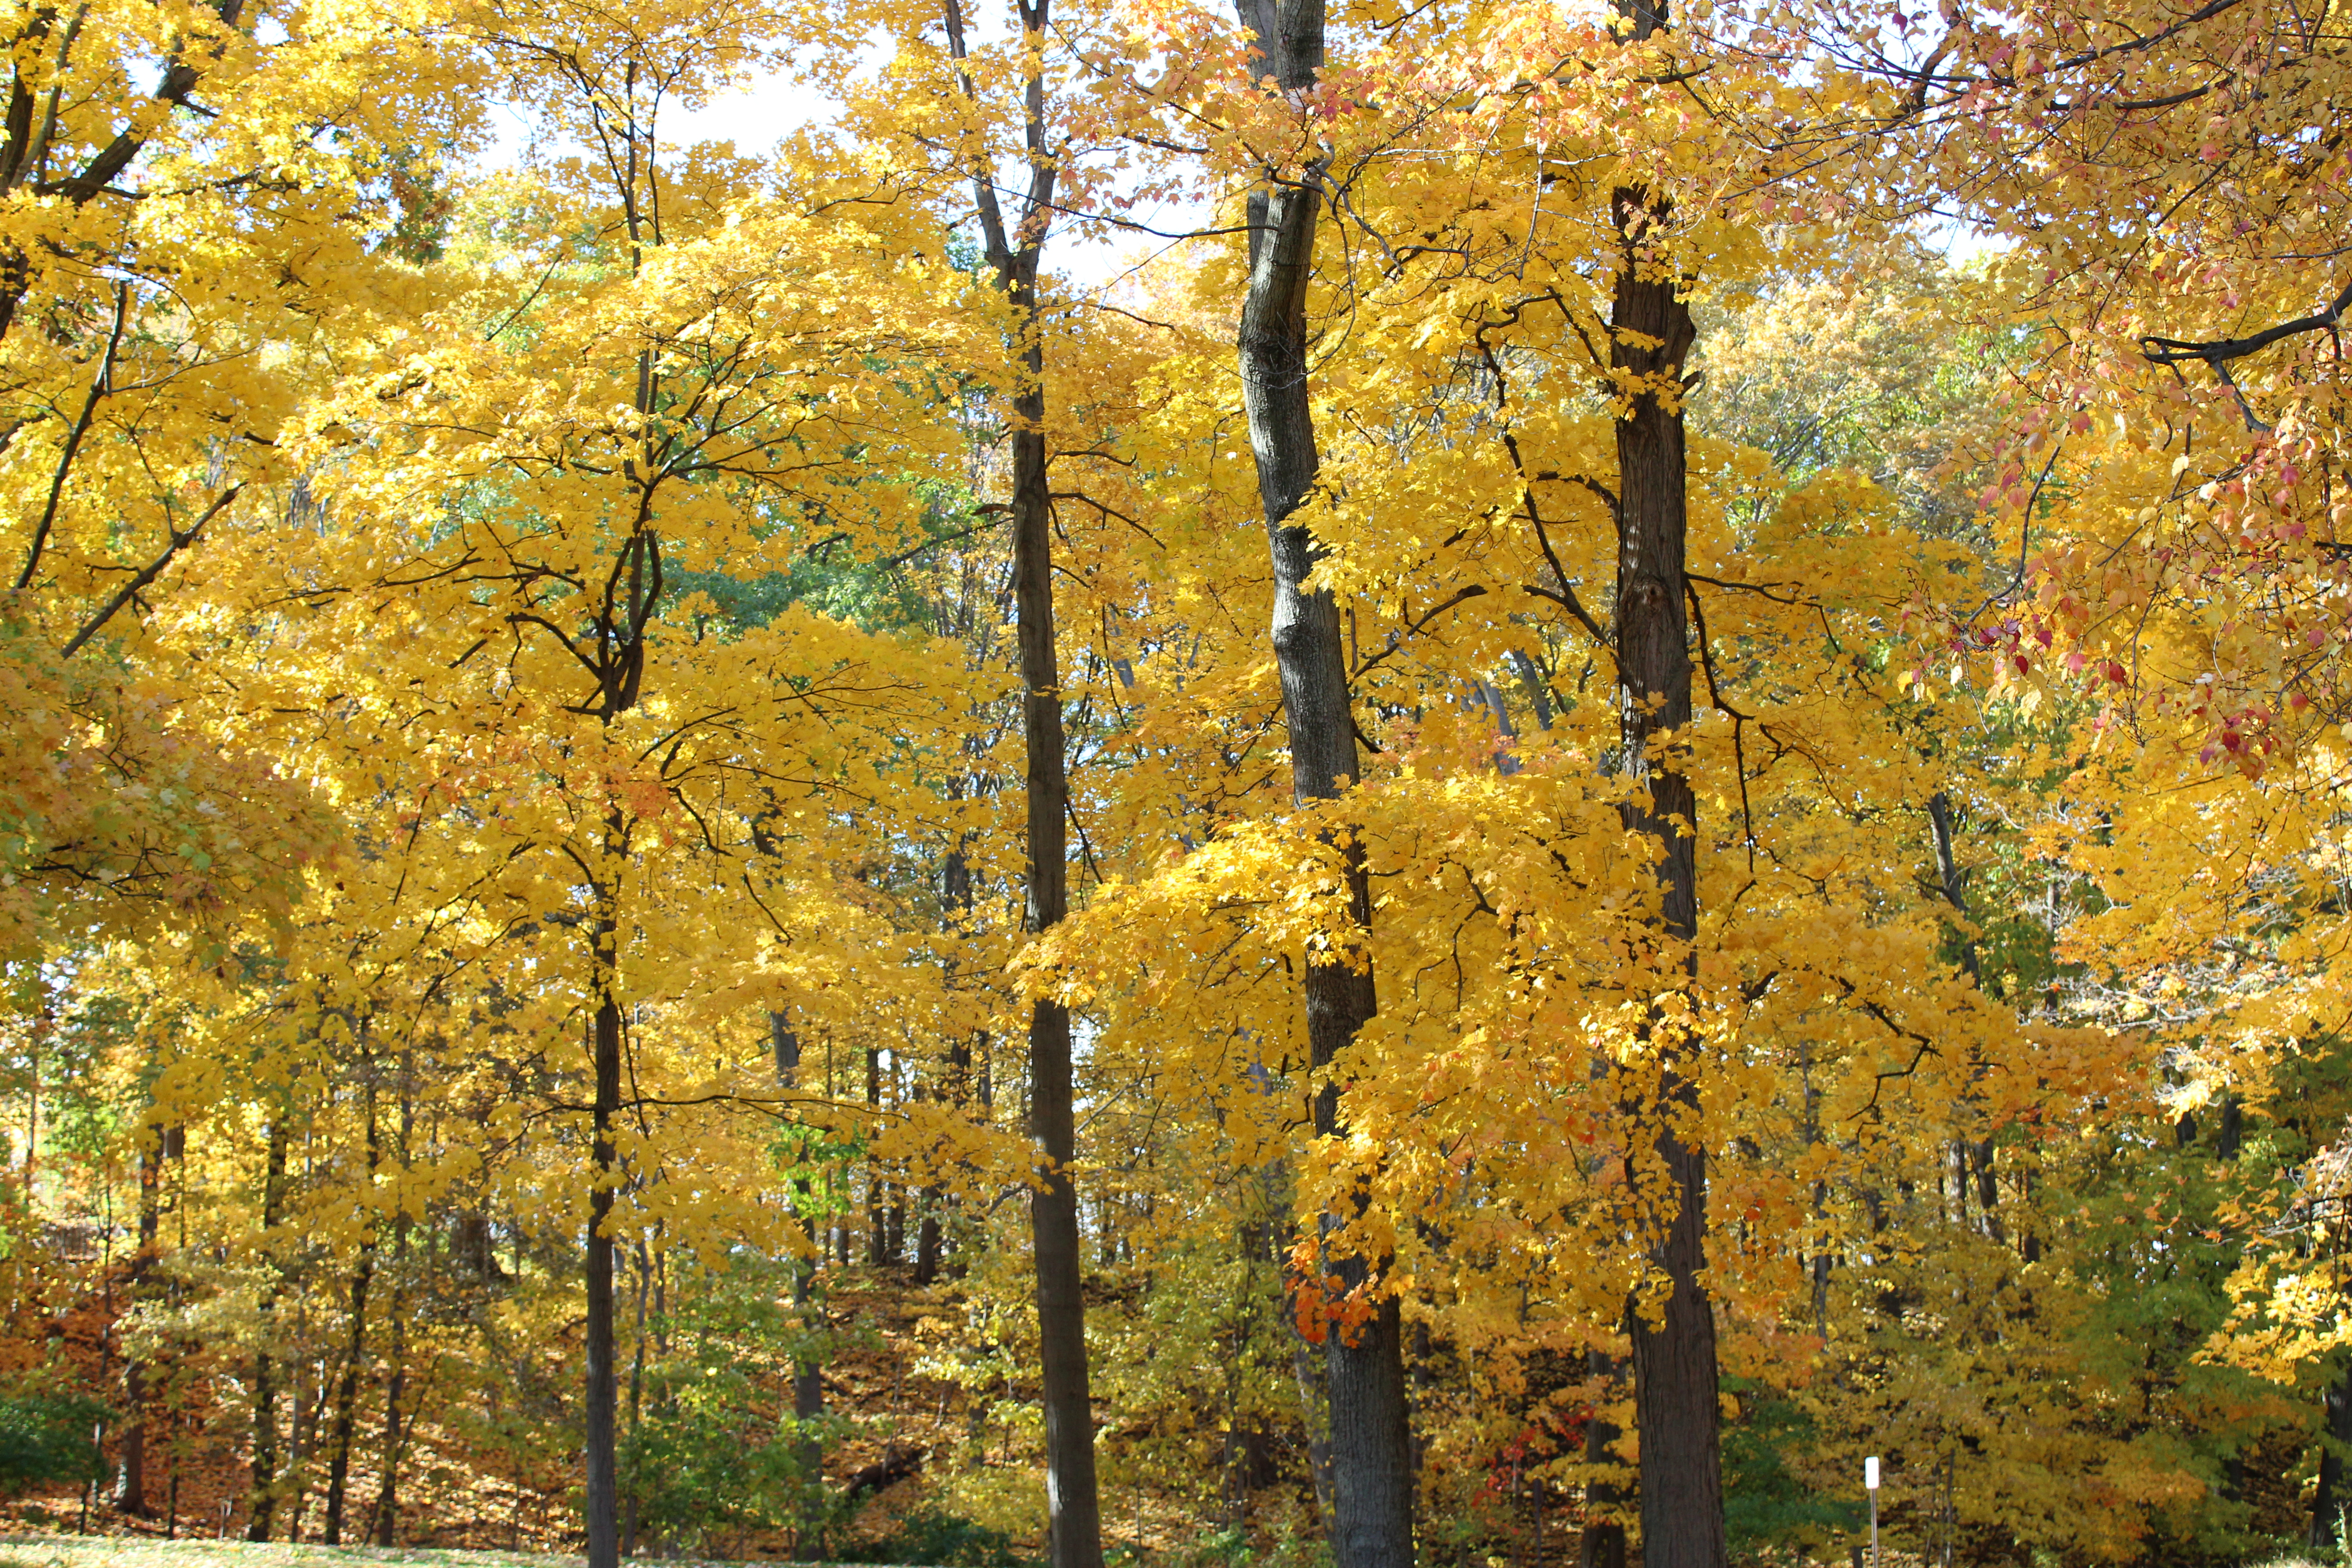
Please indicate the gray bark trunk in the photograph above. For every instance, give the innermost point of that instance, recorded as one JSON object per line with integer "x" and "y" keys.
{"x": 1371, "y": 1466}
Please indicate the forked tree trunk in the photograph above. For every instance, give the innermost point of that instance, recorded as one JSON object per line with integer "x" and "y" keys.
{"x": 1674, "y": 1356}
{"x": 1371, "y": 1469}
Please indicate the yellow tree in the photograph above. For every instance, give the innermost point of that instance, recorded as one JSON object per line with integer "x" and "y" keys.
{"x": 658, "y": 362}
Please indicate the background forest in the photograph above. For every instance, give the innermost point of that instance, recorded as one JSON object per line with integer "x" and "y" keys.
{"x": 1623, "y": 775}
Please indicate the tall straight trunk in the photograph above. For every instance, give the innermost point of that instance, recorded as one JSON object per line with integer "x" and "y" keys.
{"x": 1371, "y": 1467}
{"x": 1073, "y": 1503}
{"x": 130, "y": 1480}
{"x": 1070, "y": 1488}
{"x": 347, "y": 1390}
{"x": 1674, "y": 1375}
{"x": 264, "y": 1495}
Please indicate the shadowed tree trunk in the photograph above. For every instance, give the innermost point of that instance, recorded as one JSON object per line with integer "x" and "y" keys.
{"x": 1371, "y": 1466}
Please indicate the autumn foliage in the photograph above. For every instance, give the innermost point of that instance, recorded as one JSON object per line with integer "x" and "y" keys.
{"x": 1633, "y": 745}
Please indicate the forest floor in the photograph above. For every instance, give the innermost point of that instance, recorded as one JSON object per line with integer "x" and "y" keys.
{"x": 462, "y": 1506}
{"x": 148, "y": 1551}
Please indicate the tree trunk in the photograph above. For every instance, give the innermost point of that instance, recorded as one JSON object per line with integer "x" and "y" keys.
{"x": 956, "y": 1086}
{"x": 2328, "y": 1503}
{"x": 1072, "y": 1499}
{"x": 1674, "y": 1354}
{"x": 1371, "y": 1471}
{"x": 808, "y": 1374}
{"x": 383, "y": 1518}
{"x": 1070, "y": 1489}
{"x": 1601, "y": 1543}
{"x": 264, "y": 1495}
{"x": 130, "y": 1480}
{"x": 600, "y": 1458}
{"x": 347, "y": 1391}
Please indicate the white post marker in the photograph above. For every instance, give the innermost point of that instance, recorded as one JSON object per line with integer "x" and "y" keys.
{"x": 1870, "y": 1484}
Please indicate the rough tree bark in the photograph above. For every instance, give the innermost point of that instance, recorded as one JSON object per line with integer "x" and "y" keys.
{"x": 1072, "y": 1499}
{"x": 1371, "y": 1467}
{"x": 1674, "y": 1351}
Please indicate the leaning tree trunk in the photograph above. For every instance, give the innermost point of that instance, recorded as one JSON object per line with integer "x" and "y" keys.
{"x": 1674, "y": 1353}
{"x": 1372, "y": 1468}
